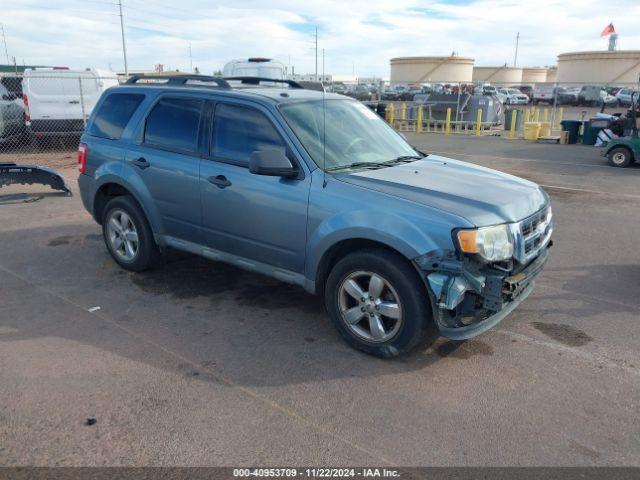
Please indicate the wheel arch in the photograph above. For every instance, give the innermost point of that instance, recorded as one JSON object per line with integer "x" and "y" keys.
{"x": 344, "y": 247}
{"x": 111, "y": 188}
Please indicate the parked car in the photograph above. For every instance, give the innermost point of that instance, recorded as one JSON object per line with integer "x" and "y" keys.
{"x": 255, "y": 67}
{"x": 543, "y": 93}
{"x": 512, "y": 96}
{"x": 624, "y": 96}
{"x": 596, "y": 96}
{"x": 567, "y": 96}
{"x": 359, "y": 92}
{"x": 316, "y": 190}
{"x": 58, "y": 101}
{"x": 526, "y": 89}
{"x": 11, "y": 116}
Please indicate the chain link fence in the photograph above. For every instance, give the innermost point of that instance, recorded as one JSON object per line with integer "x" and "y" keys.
{"x": 44, "y": 112}
{"x": 485, "y": 108}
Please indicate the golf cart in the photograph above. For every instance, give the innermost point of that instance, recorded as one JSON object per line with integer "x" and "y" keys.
{"x": 623, "y": 151}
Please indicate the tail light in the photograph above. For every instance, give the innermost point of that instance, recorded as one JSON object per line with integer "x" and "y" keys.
{"x": 25, "y": 100}
{"x": 82, "y": 157}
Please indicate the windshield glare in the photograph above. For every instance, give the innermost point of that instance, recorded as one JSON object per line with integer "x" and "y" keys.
{"x": 355, "y": 134}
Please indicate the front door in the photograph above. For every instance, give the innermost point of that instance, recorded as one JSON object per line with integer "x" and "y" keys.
{"x": 256, "y": 217}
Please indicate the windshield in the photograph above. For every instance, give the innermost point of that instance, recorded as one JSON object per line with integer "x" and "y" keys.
{"x": 355, "y": 134}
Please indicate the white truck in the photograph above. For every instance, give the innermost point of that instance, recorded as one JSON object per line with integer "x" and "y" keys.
{"x": 255, "y": 67}
{"x": 57, "y": 101}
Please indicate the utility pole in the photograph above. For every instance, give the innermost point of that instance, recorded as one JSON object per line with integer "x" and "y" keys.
{"x": 190, "y": 59}
{"x": 124, "y": 44}
{"x": 316, "y": 53}
{"x": 323, "y": 66}
{"x": 515, "y": 59}
{"x": 4, "y": 39}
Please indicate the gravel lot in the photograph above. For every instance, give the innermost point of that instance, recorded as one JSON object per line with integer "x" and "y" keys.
{"x": 198, "y": 363}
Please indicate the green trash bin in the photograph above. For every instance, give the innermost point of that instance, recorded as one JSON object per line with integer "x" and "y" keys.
{"x": 507, "y": 118}
{"x": 590, "y": 135}
{"x": 573, "y": 127}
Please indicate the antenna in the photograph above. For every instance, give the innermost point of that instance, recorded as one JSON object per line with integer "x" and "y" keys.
{"x": 324, "y": 132}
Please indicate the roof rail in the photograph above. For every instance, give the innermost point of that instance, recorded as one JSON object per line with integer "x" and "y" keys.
{"x": 180, "y": 79}
{"x": 258, "y": 80}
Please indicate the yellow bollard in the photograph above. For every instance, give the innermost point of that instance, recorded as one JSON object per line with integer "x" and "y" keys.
{"x": 545, "y": 115}
{"x": 391, "y": 114}
{"x": 536, "y": 115}
{"x": 447, "y": 125}
{"x": 404, "y": 110}
{"x": 478, "y": 122}
{"x": 512, "y": 130}
{"x": 559, "y": 118}
{"x": 419, "y": 124}
{"x": 527, "y": 115}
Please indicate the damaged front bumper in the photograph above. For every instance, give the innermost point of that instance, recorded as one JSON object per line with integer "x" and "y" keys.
{"x": 469, "y": 298}
{"x": 11, "y": 173}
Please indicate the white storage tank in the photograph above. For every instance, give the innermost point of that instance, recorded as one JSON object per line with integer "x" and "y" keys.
{"x": 532, "y": 75}
{"x": 618, "y": 66}
{"x": 552, "y": 74}
{"x": 499, "y": 75}
{"x": 416, "y": 70}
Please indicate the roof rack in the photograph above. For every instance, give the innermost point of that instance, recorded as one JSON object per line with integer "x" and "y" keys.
{"x": 258, "y": 80}
{"x": 180, "y": 79}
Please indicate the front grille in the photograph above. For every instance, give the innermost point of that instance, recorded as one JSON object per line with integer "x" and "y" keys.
{"x": 532, "y": 234}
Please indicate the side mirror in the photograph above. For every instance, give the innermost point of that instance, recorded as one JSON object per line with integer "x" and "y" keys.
{"x": 273, "y": 163}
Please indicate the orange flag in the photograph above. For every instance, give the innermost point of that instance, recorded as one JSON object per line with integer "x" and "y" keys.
{"x": 608, "y": 30}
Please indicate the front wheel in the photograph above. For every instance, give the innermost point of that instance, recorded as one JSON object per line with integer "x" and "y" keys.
{"x": 377, "y": 302}
{"x": 620, "y": 157}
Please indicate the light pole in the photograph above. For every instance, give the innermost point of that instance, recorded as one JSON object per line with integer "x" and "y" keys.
{"x": 515, "y": 58}
{"x": 4, "y": 39}
{"x": 124, "y": 43}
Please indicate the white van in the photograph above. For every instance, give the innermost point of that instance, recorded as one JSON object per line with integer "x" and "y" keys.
{"x": 57, "y": 101}
{"x": 255, "y": 67}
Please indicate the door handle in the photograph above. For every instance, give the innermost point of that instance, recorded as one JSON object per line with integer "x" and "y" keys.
{"x": 141, "y": 163}
{"x": 74, "y": 102}
{"x": 220, "y": 181}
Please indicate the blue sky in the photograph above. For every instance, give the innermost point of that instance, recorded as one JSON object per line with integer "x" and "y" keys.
{"x": 360, "y": 35}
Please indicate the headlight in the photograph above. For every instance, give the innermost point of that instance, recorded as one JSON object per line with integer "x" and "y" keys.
{"x": 491, "y": 243}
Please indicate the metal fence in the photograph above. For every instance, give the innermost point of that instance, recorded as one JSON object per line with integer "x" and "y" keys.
{"x": 43, "y": 114}
{"x": 544, "y": 104}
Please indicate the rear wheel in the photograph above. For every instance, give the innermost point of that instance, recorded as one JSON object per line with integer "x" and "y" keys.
{"x": 377, "y": 302}
{"x": 128, "y": 235}
{"x": 620, "y": 157}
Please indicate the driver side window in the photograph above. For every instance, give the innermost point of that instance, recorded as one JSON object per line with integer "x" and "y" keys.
{"x": 239, "y": 131}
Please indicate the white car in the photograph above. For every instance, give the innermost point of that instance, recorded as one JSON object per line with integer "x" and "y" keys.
{"x": 58, "y": 101}
{"x": 624, "y": 96}
{"x": 512, "y": 96}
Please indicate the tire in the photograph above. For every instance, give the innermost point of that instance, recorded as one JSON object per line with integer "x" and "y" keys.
{"x": 125, "y": 211}
{"x": 402, "y": 286}
{"x": 620, "y": 157}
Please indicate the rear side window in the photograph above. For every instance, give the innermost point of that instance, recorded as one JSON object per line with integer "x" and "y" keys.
{"x": 240, "y": 131}
{"x": 114, "y": 114}
{"x": 173, "y": 124}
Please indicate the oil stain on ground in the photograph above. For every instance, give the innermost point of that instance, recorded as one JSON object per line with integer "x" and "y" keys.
{"x": 565, "y": 334}
{"x": 72, "y": 239}
{"x": 463, "y": 350}
{"x": 188, "y": 276}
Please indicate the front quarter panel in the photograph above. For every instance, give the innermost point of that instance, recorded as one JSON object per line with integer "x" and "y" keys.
{"x": 342, "y": 211}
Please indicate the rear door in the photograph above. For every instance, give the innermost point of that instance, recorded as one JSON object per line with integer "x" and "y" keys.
{"x": 255, "y": 217}
{"x": 166, "y": 158}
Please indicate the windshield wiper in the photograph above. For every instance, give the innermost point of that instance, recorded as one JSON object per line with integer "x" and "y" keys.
{"x": 358, "y": 165}
{"x": 403, "y": 159}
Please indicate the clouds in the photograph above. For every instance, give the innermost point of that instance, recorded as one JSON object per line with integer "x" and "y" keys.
{"x": 363, "y": 33}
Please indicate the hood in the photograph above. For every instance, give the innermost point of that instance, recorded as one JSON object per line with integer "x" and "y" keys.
{"x": 481, "y": 195}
